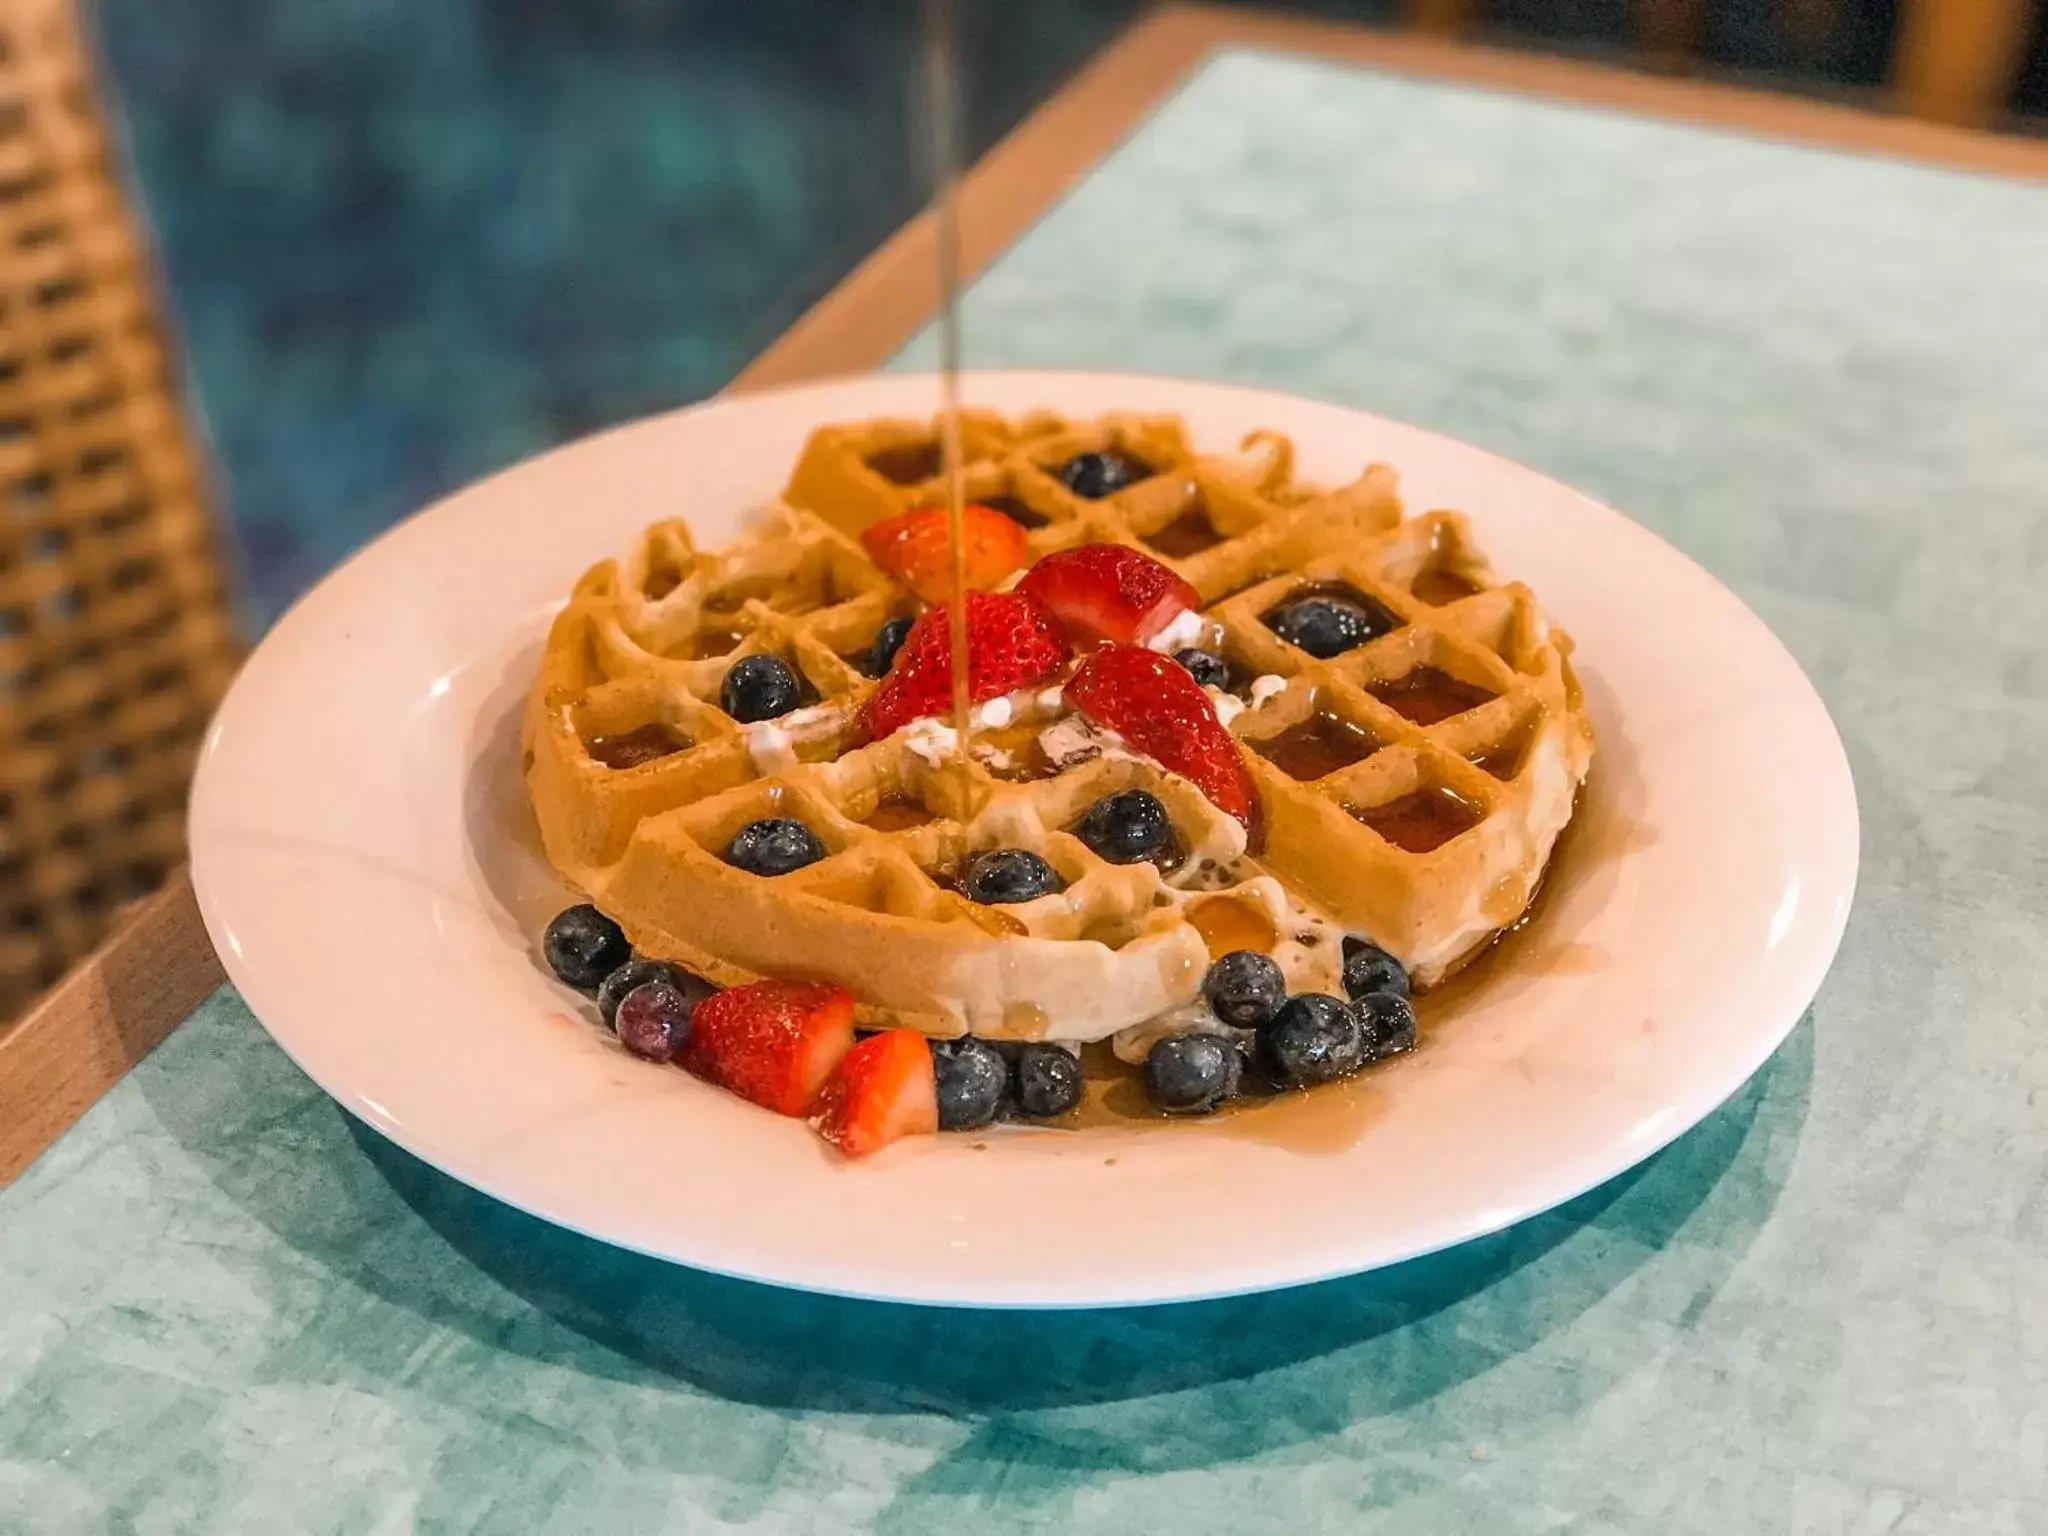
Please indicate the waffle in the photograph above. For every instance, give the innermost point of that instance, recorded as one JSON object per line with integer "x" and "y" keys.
{"x": 1411, "y": 789}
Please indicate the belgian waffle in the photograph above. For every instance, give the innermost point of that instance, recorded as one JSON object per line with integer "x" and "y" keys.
{"x": 1411, "y": 788}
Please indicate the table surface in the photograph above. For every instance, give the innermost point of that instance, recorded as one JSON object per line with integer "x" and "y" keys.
{"x": 1824, "y": 1310}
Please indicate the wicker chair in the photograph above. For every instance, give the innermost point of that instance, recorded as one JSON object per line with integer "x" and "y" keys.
{"x": 115, "y": 642}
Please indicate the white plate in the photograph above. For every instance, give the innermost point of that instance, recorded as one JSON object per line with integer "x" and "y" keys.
{"x": 365, "y": 864}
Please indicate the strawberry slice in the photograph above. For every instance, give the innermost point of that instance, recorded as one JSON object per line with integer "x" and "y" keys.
{"x": 1161, "y": 711}
{"x": 915, "y": 548}
{"x": 1011, "y": 643}
{"x": 774, "y": 1042}
{"x": 1109, "y": 593}
{"x": 882, "y": 1091}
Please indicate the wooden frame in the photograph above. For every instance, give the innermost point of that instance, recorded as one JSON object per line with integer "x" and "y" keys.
{"x": 113, "y": 1008}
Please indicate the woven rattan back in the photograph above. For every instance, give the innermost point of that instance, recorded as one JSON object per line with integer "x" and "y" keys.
{"x": 114, "y": 638}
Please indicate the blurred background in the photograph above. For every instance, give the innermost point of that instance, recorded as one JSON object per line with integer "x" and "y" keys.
{"x": 411, "y": 241}
{"x": 278, "y": 272}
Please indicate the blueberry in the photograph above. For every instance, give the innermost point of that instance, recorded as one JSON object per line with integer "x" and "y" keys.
{"x": 1191, "y": 1074}
{"x": 1369, "y": 969}
{"x": 583, "y": 946}
{"x": 1206, "y": 667}
{"x": 888, "y": 641}
{"x": 637, "y": 972}
{"x": 654, "y": 1020}
{"x": 1324, "y": 626}
{"x": 1006, "y": 875}
{"x": 774, "y": 846}
{"x": 1092, "y": 476}
{"x": 1126, "y": 827}
{"x": 1313, "y": 1039}
{"x": 1048, "y": 1080}
{"x": 1387, "y": 1022}
{"x": 758, "y": 688}
{"x": 1244, "y": 988}
{"x": 972, "y": 1079}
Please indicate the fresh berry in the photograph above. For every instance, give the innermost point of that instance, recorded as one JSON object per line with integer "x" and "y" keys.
{"x": 972, "y": 1079}
{"x": 583, "y": 946}
{"x": 1048, "y": 1080}
{"x": 1244, "y": 988}
{"x": 774, "y": 1042}
{"x": 1162, "y": 712}
{"x": 1011, "y": 643}
{"x": 888, "y": 641}
{"x": 775, "y": 845}
{"x": 1205, "y": 667}
{"x": 1326, "y": 626}
{"x": 1093, "y": 476}
{"x": 1314, "y": 1038}
{"x": 758, "y": 688}
{"x": 1109, "y": 593}
{"x": 1007, "y": 875}
{"x": 1369, "y": 969}
{"x": 916, "y": 548}
{"x": 653, "y": 1020}
{"x": 1191, "y": 1074}
{"x": 1127, "y": 827}
{"x": 634, "y": 972}
{"x": 881, "y": 1092}
{"x": 1388, "y": 1023}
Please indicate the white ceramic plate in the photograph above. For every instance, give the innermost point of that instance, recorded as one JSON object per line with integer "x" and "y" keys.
{"x": 366, "y": 866}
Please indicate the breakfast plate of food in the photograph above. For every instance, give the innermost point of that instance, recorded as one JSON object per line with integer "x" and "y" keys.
{"x": 1210, "y": 841}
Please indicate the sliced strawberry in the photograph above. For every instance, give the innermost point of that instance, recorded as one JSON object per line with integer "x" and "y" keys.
{"x": 916, "y": 548}
{"x": 1109, "y": 593}
{"x": 774, "y": 1042}
{"x": 883, "y": 1090}
{"x": 1011, "y": 643}
{"x": 1161, "y": 711}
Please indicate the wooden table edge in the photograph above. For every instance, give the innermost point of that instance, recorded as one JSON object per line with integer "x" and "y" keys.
{"x": 869, "y": 316}
{"x": 122, "y": 1000}
{"x": 112, "y": 1010}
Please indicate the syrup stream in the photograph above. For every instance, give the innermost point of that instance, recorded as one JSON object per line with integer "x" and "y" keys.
{"x": 942, "y": 135}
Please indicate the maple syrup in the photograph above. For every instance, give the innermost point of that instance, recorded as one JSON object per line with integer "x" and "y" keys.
{"x": 908, "y": 463}
{"x": 898, "y": 813}
{"x": 632, "y": 749}
{"x": 1437, "y": 586}
{"x": 715, "y": 642}
{"x": 1429, "y": 695}
{"x": 1189, "y": 534}
{"x": 1318, "y": 747}
{"x": 1504, "y": 758}
{"x": 1421, "y": 822}
{"x": 1229, "y": 923}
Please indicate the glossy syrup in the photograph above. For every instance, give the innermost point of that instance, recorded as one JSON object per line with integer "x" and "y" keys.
{"x": 942, "y": 137}
{"x": 1429, "y": 695}
{"x": 1421, "y": 822}
{"x": 1318, "y": 747}
{"x": 1188, "y": 534}
{"x": 632, "y": 749}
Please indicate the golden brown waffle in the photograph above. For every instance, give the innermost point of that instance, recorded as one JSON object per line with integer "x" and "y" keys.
{"x": 1425, "y": 834}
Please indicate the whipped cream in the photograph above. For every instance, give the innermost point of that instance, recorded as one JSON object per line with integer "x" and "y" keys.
{"x": 772, "y": 743}
{"x": 1266, "y": 686}
{"x": 1187, "y": 629}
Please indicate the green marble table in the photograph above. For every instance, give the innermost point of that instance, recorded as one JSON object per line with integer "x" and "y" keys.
{"x": 1823, "y": 1311}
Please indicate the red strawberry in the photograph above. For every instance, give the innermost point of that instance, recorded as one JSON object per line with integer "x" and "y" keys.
{"x": 1010, "y": 643}
{"x": 774, "y": 1042}
{"x": 1109, "y": 592}
{"x": 1152, "y": 702}
{"x": 882, "y": 1090}
{"x": 915, "y": 548}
